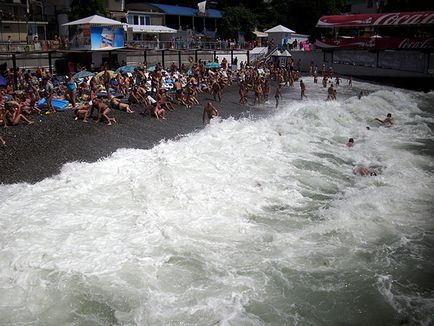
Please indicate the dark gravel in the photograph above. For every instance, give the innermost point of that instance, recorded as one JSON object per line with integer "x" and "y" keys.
{"x": 35, "y": 152}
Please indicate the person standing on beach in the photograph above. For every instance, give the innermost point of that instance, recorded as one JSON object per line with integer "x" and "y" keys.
{"x": 331, "y": 93}
{"x": 106, "y": 77}
{"x": 258, "y": 91}
{"x": 178, "y": 89}
{"x": 48, "y": 92}
{"x": 278, "y": 94}
{"x": 216, "y": 91}
{"x": 210, "y": 111}
{"x": 72, "y": 90}
{"x": 9, "y": 43}
{"x": 303, "y": 89}
{"x": 242, "y": 92}
{"x": 266, "y": 89}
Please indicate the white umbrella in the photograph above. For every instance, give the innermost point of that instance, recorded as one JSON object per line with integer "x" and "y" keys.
{"x": 95, "y": 20}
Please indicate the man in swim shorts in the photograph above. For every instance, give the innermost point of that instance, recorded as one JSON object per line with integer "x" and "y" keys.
{"x": 303, "y": 89}
{"x": 210, "y": 111}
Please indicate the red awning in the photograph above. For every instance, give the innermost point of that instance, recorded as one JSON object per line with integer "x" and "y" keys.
{"x": 385, "y": 19}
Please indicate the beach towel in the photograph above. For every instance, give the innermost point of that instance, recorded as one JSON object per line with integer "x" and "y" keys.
{"x": 58, "y": 104}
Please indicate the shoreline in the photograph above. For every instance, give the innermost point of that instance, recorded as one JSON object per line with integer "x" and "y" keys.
{"x": 35, "y": 152}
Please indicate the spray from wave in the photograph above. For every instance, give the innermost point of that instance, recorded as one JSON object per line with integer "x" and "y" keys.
{"x": 251, "y": 221}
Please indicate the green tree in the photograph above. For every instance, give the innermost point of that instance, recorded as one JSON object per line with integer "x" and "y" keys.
{"x": 85, "y": 8}
{"x": 238, "y": 19}
{"x": 301, "y": 15}
{"x": 408, "y": 5}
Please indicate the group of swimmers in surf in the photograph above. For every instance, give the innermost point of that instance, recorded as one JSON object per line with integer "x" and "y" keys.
{"x": 363, "y": 170}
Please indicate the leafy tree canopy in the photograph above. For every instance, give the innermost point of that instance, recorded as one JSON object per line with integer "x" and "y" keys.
{"x": 299, "y": 15}
{"x": 85, "y": 8}
{"x": 238, "y": 19}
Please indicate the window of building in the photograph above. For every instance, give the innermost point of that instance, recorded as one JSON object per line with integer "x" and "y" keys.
{"x": 139, "y": 20}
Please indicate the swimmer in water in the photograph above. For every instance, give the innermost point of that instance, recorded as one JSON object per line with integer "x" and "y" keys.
{"x": 350, "y": 142}
{"x": 364, "y": 171}
{"x": 387, "y": 120}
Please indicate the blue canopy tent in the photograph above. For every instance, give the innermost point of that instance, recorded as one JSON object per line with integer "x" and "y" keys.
{"x": 83, "y": 74}
{"x": 3, "y": 81}
{"x": 125, "y": 69}
{"x": 213, "y": 65}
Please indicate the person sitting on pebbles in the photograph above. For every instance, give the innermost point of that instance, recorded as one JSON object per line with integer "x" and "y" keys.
{"x": 82, "y": 111}
{"x": 116, "y": 103}
{"x": 12, "y": 114}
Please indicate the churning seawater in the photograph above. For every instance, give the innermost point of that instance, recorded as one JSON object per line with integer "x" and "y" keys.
{"x": 256, "y": 221}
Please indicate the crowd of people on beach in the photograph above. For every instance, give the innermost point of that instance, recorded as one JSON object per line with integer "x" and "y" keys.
{"x": 155, "y": 91}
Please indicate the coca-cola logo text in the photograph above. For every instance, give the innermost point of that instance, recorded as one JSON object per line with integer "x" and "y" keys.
{"x": 416, "y": 44}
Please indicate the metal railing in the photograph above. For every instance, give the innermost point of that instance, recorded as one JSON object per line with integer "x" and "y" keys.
{"x": 34, "y": 46}
{"x": 184, "y": 44}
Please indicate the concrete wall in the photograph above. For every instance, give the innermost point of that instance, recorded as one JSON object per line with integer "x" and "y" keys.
{"x": 157, "y": 20}
{"x": 18, "y": 32}
{"x": 114, "y": 5}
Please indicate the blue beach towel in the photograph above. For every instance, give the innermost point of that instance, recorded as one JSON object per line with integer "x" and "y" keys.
{"x": 58, "y": 104}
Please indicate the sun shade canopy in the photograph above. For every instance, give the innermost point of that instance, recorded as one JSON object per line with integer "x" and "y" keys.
{"x": 95, "y": 20}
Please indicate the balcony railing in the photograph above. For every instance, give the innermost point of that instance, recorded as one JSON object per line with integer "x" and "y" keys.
{"x": 34, "y": 46}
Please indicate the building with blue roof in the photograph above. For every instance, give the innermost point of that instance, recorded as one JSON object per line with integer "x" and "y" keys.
{"x": 187, "y": 11}
{"x": 145, "y": 18}
{"x": 180, "y": 17}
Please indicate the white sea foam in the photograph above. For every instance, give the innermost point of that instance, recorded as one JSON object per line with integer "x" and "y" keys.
{"x": 248, "y": 222}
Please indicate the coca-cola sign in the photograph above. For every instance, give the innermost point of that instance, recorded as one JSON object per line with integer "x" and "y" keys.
{"x": 386, "y": 19}
{"x": 377, "y": 43}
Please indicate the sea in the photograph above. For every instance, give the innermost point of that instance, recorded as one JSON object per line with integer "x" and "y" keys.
{"x": 259, "y": 220}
